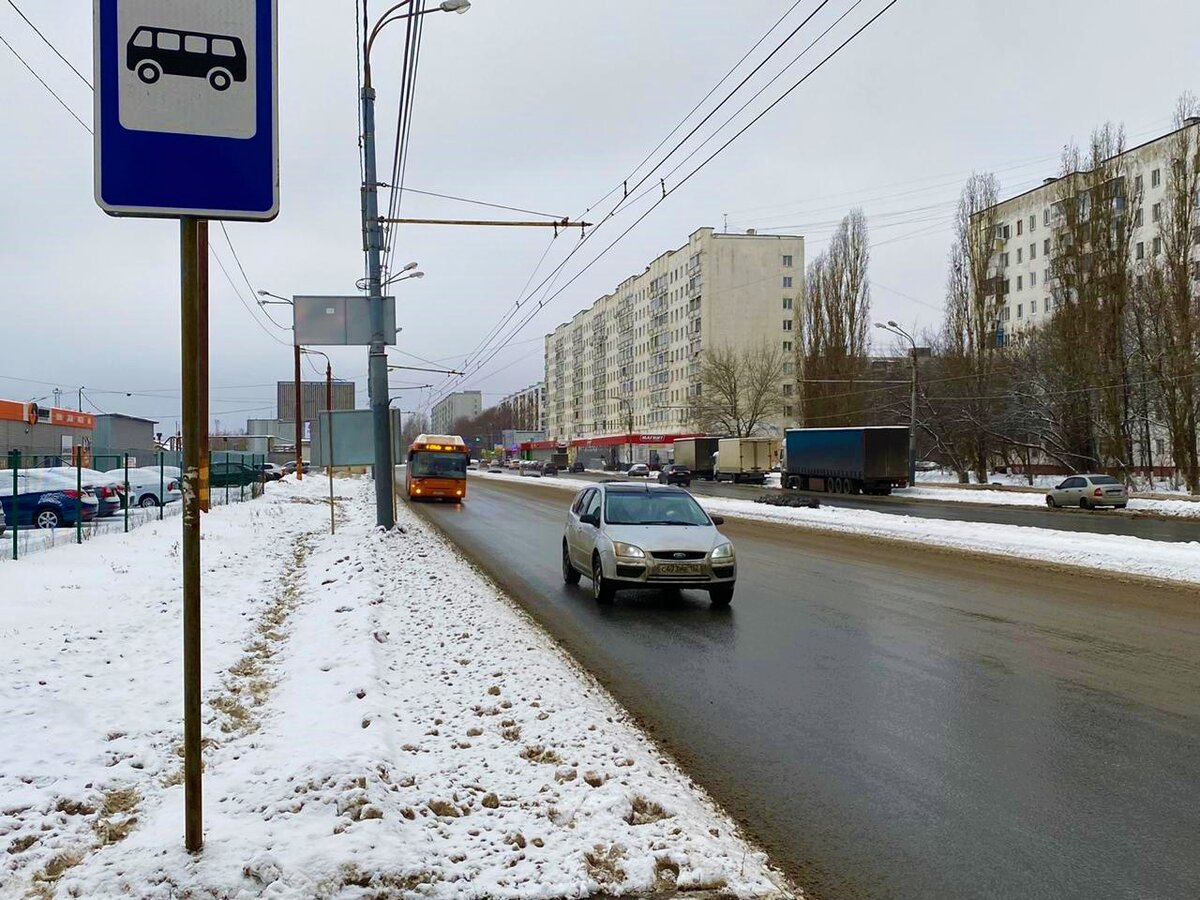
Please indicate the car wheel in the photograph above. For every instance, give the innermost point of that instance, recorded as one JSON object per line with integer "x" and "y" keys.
{"x": 721, "y": 595}
{"x": 1083, "y": 503}
{"x": 47, "y": 518}
{"x": 149, "y": 73}
{"x": 220, "y": 80}
{"x": 1051, "y": 502}
{"x": 1120, "y": 505}
{"x": 602, "y": 591}
{"x": 569, "y": 572}
{"x": 148, "y": 501}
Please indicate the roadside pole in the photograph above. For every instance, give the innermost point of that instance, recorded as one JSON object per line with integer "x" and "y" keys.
{"x": 329, "y": 424}
{"x": 79, "y": 492}
{"x": 128, "y": 498}
{"x": 192, "y": 448}
{"x": 299, "y": 422}
{"x": 15, "y": 524}
{"x": 162, "y": 484}
{"x": 202, "y": 332}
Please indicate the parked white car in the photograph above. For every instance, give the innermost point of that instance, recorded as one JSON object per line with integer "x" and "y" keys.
{"x": 1089, "y": 492}
{"x": 148, "y": 486}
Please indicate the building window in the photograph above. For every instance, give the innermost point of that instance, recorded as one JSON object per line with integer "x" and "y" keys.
{"x": 1020, "y": 255}
{"x": 1033, "y": 223}
{"x": 1004, "y": 260}
{"x": 1007, "y": 232}
{"x": 787, "y": 281}
{"x": 1137, "y": 218}
{"x": 787, "y": 262}
{"x": 1033, "y": 251}
{"x": 1033, "y": 307}
{"x": 1156, "y": 212}
{"x": 1046, "y": 247}
{"x": 1020, "y": 282}
{"x": 1020, "y": 310}
{"x": 1160, "y": 445}
{"x": 1157, "y": 246}
{"x": 1156, "y": 178}
{"x": 1045, "y": 276}
{"x": 1046, "y": 216}
{"x": 1137, "y": 184}
{"x": 787, "y": 302}
{"x": 1048, "y": 304}
{"x": 787, "y": 411}
{"x": 787, "y": 346}
{"x": 1140, "y": 250}
{"x": 787, "y": 390}
{"x": 1033, "y": 279}
{"x": 787, "y": 368}
{"x": 1020, "y": 226}
{"x": 787, "y": 324}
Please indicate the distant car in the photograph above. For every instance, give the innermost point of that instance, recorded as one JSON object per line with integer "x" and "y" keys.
{"x": 1089, "y": 492}
{"x": 531, "y": 469}
{"x": 3, "y": 523}
{"x": 639, "y": 470}
{"x": 628, "y": 536}
{"x": 232, "y": 474}
{"x": 46, "y": 500}
{"x": 271, "y": 471}
{"x": 549, "y": 469}
{"x": 676, "y": 474}
{"x": 289, "y": 468}
{"x": 148, "y": 486}
{"x": 576, "y": 467}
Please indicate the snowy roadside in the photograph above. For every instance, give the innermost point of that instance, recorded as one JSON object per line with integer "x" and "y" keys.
{"x": 1109, "y": 553}
{"x": 379, "y": 719}
{"x": 1179, "y": 508}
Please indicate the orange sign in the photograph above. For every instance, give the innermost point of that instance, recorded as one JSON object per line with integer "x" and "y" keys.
{"x": 11, "y": 411}
{"x": 72, "y": 419}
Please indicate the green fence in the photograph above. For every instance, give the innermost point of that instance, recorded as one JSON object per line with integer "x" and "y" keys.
{"x": 48, "y": 501}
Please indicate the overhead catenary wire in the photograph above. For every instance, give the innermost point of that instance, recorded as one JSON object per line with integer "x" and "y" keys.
{"x": 42, "y": 82}
{"x": 691, "y": 174}
{"x": 50, "y": 44}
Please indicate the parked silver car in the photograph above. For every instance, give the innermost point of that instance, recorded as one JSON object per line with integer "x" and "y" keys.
{"x": 1089, "y": 492}
{"x": 629, "y": 536}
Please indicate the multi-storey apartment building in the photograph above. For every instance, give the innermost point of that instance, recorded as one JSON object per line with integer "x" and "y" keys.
{"x": 1029, "y": 226}
{"x": 527, "y": 407}
{"x": 630, "y": 363}
{"x": 459, "y": 405}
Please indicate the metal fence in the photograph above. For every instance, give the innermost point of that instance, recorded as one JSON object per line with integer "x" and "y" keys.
{"x": 47, "y": 501}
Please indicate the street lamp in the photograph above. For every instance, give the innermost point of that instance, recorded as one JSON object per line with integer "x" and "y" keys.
{"x": 377, "y": 381}
{"x": 892, "y": 328}
{"x": 279, "y": 301}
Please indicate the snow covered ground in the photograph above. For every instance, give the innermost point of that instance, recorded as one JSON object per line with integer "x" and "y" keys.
{"x": 1041, "y": 482}
{"x": 379, "y": 721}
{"x": 1115, "y": 553}
{"x": 1181, "y": 508}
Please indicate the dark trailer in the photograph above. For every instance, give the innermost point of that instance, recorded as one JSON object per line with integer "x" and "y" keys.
{"x": 846, "y": 460}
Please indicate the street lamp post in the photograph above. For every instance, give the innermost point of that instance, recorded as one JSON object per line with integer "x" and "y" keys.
{"x": 377, "y": 386}
{"x": 283, "y": 301}
{"x": 329, "y": 424}
{"x": 895, "y": 329}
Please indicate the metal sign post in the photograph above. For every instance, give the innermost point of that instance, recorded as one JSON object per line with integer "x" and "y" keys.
{"x": 186, "y": 115}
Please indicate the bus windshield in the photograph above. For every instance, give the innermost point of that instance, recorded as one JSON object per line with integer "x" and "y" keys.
{"x": 431, "y": 464}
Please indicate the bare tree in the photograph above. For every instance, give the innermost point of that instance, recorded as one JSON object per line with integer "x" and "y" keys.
{"x": 1169, "y": 329}
{"x": 414, "y": 425}
{"x": 832, "y": 350}
{"x": 740, "y": 389}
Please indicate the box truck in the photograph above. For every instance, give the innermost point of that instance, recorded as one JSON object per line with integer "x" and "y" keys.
{"x": 697, "y": 455}
{"x": 745, "y": 460}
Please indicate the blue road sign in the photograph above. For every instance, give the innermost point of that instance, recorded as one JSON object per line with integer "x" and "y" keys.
{"x": 187, "y": 108}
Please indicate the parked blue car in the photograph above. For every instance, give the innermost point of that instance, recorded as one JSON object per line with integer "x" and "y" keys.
{"x": 46, "y": 501}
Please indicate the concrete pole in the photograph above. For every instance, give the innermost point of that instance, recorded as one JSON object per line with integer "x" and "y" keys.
{"x": 299, "y": 421}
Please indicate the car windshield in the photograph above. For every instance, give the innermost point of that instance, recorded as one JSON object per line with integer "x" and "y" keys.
{"x": 431, "y": 464}
{"x": 1104, "y": 479}
{"x": 652, "y": 508}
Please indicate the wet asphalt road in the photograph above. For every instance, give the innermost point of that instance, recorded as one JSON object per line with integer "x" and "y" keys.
{"x": 1153, "y": 528}
{"x": 891, "y": 724}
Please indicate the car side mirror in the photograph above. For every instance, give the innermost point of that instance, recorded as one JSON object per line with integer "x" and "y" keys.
{"x": 718, "y": 520}
{"x": 589, "y": 519}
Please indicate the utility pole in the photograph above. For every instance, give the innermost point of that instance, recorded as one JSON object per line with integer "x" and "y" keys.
{"x": 895, "y": 329}
{"x": 377, "y": 377}
{"x": 202, "y": 340}
{"x": 299, "y": 421}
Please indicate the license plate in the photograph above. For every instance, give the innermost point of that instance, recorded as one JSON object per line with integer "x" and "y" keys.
{"x": 679, "y": 568}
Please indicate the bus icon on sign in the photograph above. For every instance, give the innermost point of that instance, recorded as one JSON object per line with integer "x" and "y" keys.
{"x": 217, "y": 58}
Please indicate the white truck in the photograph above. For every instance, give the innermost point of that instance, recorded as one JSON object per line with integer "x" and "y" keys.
{"x": 744, "y": 460}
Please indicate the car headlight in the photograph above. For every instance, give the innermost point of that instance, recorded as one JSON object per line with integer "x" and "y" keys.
{"x": 628, "y": 550}
{"x": 723, "y": 551}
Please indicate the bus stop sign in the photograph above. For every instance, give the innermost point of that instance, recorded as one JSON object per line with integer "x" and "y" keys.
{"x": 186, "y": 108}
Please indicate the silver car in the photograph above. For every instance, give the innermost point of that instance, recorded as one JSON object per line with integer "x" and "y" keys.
{"x": 1089, "y": 492}
{"x": 628, "y": 536}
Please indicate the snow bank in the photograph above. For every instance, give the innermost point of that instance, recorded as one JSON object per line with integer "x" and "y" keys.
{"x": 1180, "y": 508}
{"x": 379, "y": 720}
{"x": 1117, "y": 553}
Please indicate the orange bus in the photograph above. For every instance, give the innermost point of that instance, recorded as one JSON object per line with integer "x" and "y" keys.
{"x": 437, "y": 468}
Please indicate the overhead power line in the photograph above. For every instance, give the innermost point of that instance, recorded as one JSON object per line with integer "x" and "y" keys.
{"x": 49, "y": 44}
{"x": 43, "y": 83}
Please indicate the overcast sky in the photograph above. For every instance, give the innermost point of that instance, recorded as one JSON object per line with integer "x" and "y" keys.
{"x": 546, "y": 105}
